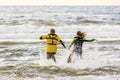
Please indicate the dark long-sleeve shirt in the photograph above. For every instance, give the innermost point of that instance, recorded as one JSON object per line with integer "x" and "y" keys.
{"x": 78, "y": 41}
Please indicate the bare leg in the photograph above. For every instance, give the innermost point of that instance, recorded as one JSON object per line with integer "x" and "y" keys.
{"x": 69, "y": 59}
{"x": 53, "y": 57}
{"x": 48, "y": 55}
{"x": 80, "y": 52}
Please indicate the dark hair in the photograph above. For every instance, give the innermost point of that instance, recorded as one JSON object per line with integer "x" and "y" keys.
{"x": 83, "y": 34}
{"x": 52, "y": 30}
{"x": 78, "y": 33}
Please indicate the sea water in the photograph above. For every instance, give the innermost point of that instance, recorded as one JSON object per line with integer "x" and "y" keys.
{"x": 22, "y": 54}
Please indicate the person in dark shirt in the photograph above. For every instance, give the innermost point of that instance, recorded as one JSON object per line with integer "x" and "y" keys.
{"x": 77, "y": 42}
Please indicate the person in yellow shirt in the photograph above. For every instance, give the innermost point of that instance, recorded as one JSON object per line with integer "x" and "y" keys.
{"x": 51, "y": 43}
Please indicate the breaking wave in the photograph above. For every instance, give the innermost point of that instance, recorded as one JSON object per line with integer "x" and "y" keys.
{"x": 36, "y": 70}
{"x": 24, "y": 41}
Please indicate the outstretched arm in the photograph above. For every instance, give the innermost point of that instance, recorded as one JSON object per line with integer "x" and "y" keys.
{"x": 86, "y": 40}
{"x": 62, "y": 43}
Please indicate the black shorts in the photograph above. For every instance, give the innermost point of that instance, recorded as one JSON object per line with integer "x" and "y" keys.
{"x": 49, "y": 55}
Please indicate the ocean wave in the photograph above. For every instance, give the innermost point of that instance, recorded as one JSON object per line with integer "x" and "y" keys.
{"x": 28, "y": 71}
{"x": 102, "y": 22}
{"x": 23, "y": 41}
{"x": 11, "y": 23}
{"x": 43, "y": 22}
{"x": 56, "y": 23}
{"x": 108, "y": 40}
{"x": 90, "y": 22}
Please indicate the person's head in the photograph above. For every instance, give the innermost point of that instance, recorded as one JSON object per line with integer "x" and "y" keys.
{"x": 83, "y": 34}
{"x": 78, "y": 33}
{"x": 52, "y": 31}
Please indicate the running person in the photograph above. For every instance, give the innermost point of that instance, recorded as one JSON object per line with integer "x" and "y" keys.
{"x": 77, "y": 42}
{"x": 51, "y": 44}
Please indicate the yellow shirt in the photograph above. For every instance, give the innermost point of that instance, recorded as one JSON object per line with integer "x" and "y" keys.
{"x": 51, "y": 42}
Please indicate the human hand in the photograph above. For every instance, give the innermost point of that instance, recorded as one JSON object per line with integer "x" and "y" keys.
{"x": 93, "y": 39}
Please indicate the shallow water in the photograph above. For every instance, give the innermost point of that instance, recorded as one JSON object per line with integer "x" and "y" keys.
{"x": 26, "y": 61}
{"x": 22, "y": 54}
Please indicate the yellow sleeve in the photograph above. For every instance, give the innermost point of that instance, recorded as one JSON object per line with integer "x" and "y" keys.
{"x": 58, "y": 38}
{"x": 44, "y": 36}
{"x": 71, "y": 43}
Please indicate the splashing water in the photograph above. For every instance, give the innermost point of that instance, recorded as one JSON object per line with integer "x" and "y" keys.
{"x": 22, "y": 54}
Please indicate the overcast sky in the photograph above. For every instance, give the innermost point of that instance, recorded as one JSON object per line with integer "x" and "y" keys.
{"x": 60, "y": 2}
